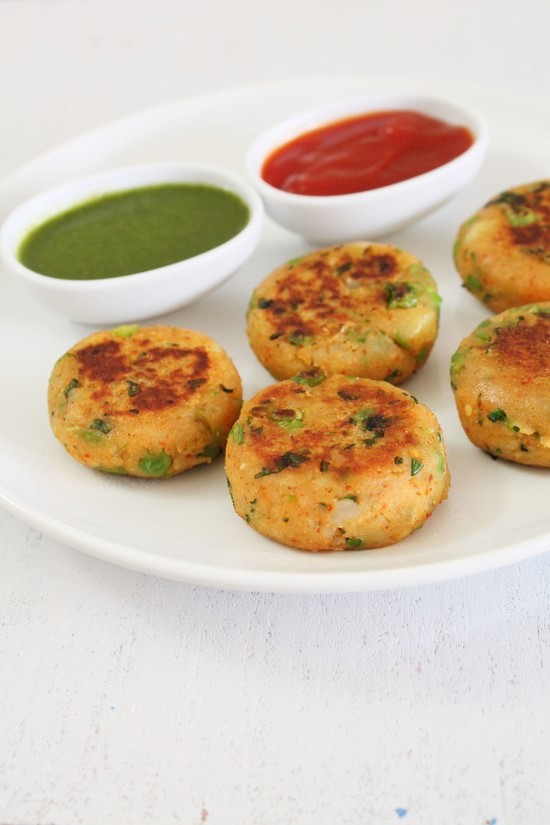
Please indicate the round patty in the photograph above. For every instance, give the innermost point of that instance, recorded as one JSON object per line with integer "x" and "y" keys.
{"x": 361, "y": 309}
{"x": 503, "y": 251}
{"x": 500, "y": 376}
{"x": 144, "y": 401}
{"x": 335, "y": 463}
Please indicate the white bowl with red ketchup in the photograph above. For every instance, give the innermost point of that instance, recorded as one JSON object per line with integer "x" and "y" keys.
{"x": 366, "y": 167}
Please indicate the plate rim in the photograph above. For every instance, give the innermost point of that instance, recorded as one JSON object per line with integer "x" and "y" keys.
{"x": 291, "y": 582}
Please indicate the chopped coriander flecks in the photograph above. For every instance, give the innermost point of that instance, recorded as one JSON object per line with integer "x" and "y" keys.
{"x": 400, "y": 341}
{"x": 288, "y": 419}
{"x": 226, "y": 389}
{"x": 348, "y": 395}
{"x": 101, "y": 425}
{"x": 416, "y": 466}
{"x": 354, "y": 542}
{"x": 299, "y": 339}
{"x": 324, "y": 466}
{"x": 285, "y": 461}
{"x": 237, "y": 432}
{"x": 210, "y": 450}
{"x": 393, "y": 374}
{"x": 372, "y": 422}
{"x": 525, "y": 217}
{"x": 457, "y": 360}
{"x": 513, "y": 199}
{"x": 343, "y": 268}
{"x": 457, "y": 363}
{"x": 482, "y": 335}
{"x": 435, "y": 298}
{"x": 133, "y": 388}
{"x": 72, "y": 385}
{"x": 400, "y": 295}
{"x": 398, "y": 460}
{"x": 497, "y": 415}
{"x": 376, "y": 424}
{"x": 472, "y": 283}
{"x": 290, "y": 424}
{"x": 265, "y": 471}
{"x": 309, "y": 377}
{"x": 362, "y": 415}
{"x": 290, "y": 459}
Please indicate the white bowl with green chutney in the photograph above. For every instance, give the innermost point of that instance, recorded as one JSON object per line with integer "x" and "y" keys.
{"x": 134, "y": 242}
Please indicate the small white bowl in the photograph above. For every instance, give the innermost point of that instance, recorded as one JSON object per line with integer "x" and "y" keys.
{"x": 140, "y": 295}
{"x": 372, "y": 213}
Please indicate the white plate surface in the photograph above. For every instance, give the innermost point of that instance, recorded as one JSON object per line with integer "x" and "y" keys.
{"x": 185, "y": 528}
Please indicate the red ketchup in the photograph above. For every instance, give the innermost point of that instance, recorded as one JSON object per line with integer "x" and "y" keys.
{"x": 364, "y": 152}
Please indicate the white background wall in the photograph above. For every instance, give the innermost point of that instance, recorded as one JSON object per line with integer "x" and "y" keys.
{"x": 124, "y": 55}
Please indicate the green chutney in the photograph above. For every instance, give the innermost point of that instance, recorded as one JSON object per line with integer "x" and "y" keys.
{"x": 135, "y": 230}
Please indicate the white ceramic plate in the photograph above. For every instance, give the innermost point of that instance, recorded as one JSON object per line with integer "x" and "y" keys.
{"x": 185, "y": 528}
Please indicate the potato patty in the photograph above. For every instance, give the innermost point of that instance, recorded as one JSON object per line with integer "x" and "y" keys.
{"x": 362, "y": 309}
{"x": 500, "y": 375}
{"x": 335, "y": 463}
{"x": 503, "y": 251}
{"x": 144, "y": 401}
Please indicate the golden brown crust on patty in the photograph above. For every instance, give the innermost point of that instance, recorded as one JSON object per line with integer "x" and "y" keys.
{"x": 335, "y": 463}
{"x": 500, "y": 376}
{"x": 361, "y": 309}
{"x": 503, "y": 251}
{"x": 144, "y": 401}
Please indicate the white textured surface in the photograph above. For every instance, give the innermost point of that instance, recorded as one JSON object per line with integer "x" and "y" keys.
{"x": 129, "y": 699}
{"x": 132, "y": 699}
